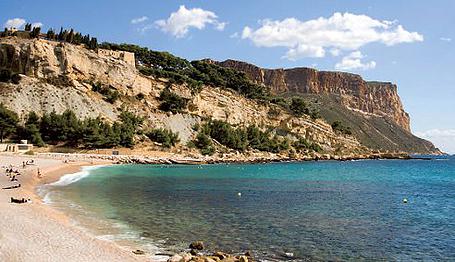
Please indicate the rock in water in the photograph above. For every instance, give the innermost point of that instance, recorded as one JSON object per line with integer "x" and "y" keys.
{"x": 198, "y": 245}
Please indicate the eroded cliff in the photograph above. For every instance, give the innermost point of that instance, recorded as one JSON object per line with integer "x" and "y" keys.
{"x": 58, "y": 76}
{"x": 371, "y": 98}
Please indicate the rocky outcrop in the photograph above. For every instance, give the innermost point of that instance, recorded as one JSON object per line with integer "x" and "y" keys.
{"x": 58, "y": 76}
{"x": 370, "y": 98}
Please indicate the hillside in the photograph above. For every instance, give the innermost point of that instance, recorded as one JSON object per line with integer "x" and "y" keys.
{"x": 372, "y": 110}
{"x": 55, "y": 76}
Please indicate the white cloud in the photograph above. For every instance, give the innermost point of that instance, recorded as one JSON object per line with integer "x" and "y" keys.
{"x": 353, "y": 61}
{"x": 179, "y": 22}
{"x": 446, "y": 39}
{"x": 335, "y": 52}
{"x": 138, "y": 20}
{"x": 442, "y": 138}
{"x": 235, "y": 35}
{"x": 15, "y": 22}
{"x": 339, "y": 32}
{"x": 37, "y": 24}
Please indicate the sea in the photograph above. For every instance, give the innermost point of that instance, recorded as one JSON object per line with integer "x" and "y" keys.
{"x": 368, "y": 210}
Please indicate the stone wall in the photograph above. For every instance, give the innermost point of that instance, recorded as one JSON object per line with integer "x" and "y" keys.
{"x": 127, "y": 57}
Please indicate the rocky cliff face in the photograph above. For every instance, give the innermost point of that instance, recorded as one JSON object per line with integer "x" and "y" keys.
{"x": 371, "y": 98}
{"x": 59, "y": 76}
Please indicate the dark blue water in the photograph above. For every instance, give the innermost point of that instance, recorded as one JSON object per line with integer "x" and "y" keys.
{"x": 315, "y": 210}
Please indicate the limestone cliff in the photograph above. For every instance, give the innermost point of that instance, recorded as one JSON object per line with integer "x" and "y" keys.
{"x": 58, "y": 76}
{"x": 371, "y": 98}
{"x": 373, "y": 110}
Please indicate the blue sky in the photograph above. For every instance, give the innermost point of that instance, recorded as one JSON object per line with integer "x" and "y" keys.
{"x": 410, "y": 43}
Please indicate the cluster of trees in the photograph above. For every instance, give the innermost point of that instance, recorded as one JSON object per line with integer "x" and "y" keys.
{"x": 73, "y": 37}
{"x": 110, "y": 94}
{"x": 66, "y": 128}
{"x": 204, "y": 143}
{"x": 34, "y": 31}
{"x": 303, "y": 144}
{"x": 30, "y": 32}
{"x": 171, "y": 102}
{"x": 299, "y": 107}
{"x": 243, "y": 138}
{"x": 163, "y": 136}
{"x": 337, "y": 126}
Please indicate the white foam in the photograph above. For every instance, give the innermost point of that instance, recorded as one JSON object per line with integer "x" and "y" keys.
{"x": 71, "y": 178}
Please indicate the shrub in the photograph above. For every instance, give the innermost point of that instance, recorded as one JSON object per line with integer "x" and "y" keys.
{"x": 302, "y": 144}
{"x": 225, "y": 134}
{"x": 204, "y": 144}
{"x": 337, "y": 126}
{"x": 109, "y": 93}
{"x": 171, "y": 102}
{"x": 164, "y": 136}
{"x": 298, "y": 107}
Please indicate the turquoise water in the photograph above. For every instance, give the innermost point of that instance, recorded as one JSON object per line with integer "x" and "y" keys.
{"x": 315, "y": 210}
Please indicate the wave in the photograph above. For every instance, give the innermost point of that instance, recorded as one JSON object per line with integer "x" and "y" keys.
{"x": 72, "y": 178}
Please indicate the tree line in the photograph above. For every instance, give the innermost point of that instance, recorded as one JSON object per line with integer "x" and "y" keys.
{"x": 67, "y": 129}
{"x": 242, "y": 139}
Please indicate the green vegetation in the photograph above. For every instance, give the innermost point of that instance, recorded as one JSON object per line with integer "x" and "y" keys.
{"x": 226, "y": 135}
{"x": 239, "y": 138}
{"x": 204, "y": 144}
{"x": 70, "y": 36}
{"x": 337, "y": 126}
{"x": 8, "y": 122}
{"x": 263, "y": 141}
{"x": 67, "y": 129}
{"x": 163, "y": 136}
{"x": 171, "y": 102}
{"x": 303, "y": 144}
{"x": 194, "y": 74}
{"x": 298, "y": 106}
{"x": 31, "y": 129}
{"x": 218, "y": 76}
{"x": 109, "y": 93}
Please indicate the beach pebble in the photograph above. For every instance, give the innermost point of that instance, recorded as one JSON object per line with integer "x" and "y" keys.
{"x": 243, "y": 259}
{"x": 175, "y": 258}
{"x": 220, "y": 255}
{"x": 186, "y": 257}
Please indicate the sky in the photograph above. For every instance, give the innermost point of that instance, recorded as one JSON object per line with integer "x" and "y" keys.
{"x": 410, "y": 43}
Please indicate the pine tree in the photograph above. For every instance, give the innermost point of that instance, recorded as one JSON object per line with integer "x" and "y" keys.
{"x": 28, "y": 27}
{"x": 50, "y": 34}
{"x": 8, "y": 122}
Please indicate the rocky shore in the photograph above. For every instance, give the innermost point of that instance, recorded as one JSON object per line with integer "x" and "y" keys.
{"x": 195, "y": 255}
{"x": 229, "y": 159}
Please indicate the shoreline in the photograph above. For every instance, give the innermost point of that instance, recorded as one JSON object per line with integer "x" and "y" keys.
{"x": 14, "y": 242}
{"x": 227, "y": 159}
{"x": 34, "y": 231}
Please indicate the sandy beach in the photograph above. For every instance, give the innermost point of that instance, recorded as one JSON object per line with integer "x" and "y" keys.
{"x": 34, "y": 231}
